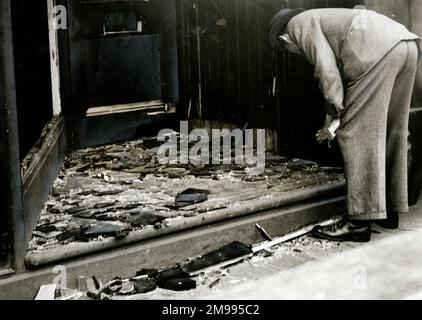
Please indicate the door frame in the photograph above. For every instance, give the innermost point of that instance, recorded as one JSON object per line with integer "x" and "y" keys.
{"x": 12, "y": 169}
{"x": 26, "y": 190}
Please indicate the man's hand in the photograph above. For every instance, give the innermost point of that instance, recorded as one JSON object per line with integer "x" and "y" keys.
{"x": 328, "y": 133}
{"x": 323, "y": 135}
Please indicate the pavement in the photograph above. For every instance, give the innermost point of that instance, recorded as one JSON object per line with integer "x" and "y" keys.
{"x": 388, "y": 267}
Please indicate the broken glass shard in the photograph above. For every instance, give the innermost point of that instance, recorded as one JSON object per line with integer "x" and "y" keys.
{"x": 191, "y": 196}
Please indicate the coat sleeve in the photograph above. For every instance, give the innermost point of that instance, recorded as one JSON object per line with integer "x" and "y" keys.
{"x": 310, "y": 38}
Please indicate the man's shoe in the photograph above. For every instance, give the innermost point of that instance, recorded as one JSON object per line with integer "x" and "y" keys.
{"x": 344, "y": 231}
{"x": 392, "y": 221}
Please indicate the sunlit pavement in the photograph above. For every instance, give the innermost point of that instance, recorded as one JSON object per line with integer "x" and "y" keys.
{"x": 388, "y": 267}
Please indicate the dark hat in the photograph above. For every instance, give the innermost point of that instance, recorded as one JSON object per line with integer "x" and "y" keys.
{"x": 278, "y": 23}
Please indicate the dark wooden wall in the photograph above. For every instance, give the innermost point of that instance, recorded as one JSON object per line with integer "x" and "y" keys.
{"x": 416, "y": 26}
{"x": 227, "y": 70}
{"x": 409, "y": 12}
{"x": 398, "y": 10}
{"x": 118, "y": 69}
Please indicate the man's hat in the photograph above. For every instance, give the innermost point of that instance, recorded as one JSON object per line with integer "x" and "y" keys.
{"x": 278, "y": 23}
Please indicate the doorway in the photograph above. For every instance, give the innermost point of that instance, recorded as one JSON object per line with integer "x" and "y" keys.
{"x": 32, "y": 70}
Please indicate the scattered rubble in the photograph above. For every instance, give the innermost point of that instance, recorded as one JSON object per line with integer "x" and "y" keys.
{"x": 112, "y": 190}
{"x": 177, "y": 278}
{"x": 144, "y": 284}
{"x": 96, "y": 230}
{"x": 215, "y": 258}
{"x": 191, "y": 196}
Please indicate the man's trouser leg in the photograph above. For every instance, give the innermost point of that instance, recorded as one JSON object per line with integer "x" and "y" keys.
{"x": 371, "y": 111}
{"x": 397, "y": 135}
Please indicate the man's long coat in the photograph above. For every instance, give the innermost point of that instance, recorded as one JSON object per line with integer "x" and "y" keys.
{"x": 344, "y": 45}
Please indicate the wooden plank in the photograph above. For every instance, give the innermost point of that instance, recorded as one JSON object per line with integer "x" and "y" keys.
{"x": 293, "y": 235}
{"x": 123, "y": 126}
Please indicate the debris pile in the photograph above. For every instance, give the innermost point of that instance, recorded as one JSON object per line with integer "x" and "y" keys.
{"x": 203, "y": 272}
{"x": 180, "y": 277}
{"x": 111, "y": 190}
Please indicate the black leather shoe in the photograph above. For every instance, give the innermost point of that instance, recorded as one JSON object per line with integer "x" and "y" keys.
{"x": 344, "y": 231}
{"x": 392, "y": 221}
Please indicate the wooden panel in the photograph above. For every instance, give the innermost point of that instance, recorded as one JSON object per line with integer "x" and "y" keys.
{"x": 123, "y": 69}
{"x": 416, "y": 15}
{"x": 87, "y": 21}
{"x": 41, "y": 173}
{"x": 415, "y": 174}
{"x": 416, "y": 26}
{"x": 396, "y": 9}
{"x": 236, "y": 67}
{"x": 415, "y": 160}
{"x": 111, "y": 128}
{"x": 409, "y": 13}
